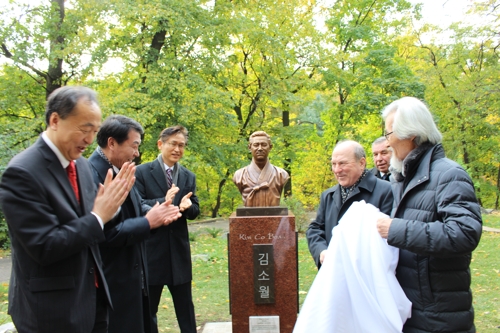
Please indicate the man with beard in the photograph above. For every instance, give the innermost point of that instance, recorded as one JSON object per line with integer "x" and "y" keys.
{"x": 381, "y": 157}
{"x": 436, "y": 222}
{"x": 355, "y": 183}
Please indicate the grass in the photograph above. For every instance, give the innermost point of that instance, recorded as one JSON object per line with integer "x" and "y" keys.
{"x": 492, "y": 220}
{"x": 4, "y": 293}
{"x": 211, "y": 296}
{"x": 210, "y": 285}
{"x": 485, "y": 269}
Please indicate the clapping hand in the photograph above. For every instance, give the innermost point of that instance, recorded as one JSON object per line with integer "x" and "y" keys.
{"x": 172, "y": 192}
{"x": 185, "y": 202}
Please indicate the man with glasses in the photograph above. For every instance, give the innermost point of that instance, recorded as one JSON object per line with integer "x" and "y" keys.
{"x": 381, "y": 157}
{"x": 124, "y": 251}
{"x": 354, "y": 184}
{"x": 436, "y": 221}
{"x": 260, "y": 183}
{"x": 168, "y": 250}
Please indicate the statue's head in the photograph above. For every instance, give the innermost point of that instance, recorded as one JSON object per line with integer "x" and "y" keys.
{"x": 260, "y": 145}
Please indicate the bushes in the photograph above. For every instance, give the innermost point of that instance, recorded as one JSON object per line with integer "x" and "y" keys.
{"x": 297, "y": 208}
{"x": 4, "y": 233}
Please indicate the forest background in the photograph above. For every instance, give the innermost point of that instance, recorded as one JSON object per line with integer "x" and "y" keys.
{"x": 309, "y": 73}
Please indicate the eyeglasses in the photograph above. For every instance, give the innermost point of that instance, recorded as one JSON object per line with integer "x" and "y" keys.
{"x": 387, "y": 135}
{"x": 174, "y": 144}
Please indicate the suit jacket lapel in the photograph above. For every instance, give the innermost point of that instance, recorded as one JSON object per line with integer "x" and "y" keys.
{"x": 337, "y": 198}
{"x": 55, "y": 168}
{"x": 158, "y": 174}
{"x": 182, "y": 180}
{"x": 87, "y": 189}
{"x": 137, "y": 205}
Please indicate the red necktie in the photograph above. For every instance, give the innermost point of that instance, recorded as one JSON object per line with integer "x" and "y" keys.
{"x": 71, "y": 170}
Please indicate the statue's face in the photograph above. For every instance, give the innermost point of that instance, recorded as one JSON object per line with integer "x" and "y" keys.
{"x": 260, "y": 147}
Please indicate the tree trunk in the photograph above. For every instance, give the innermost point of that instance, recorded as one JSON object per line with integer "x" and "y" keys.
{"x": 286, "y": 123}
{"x": 55, "y": 73}
{"x": 498, "y": 187}
{"x": 215, "y": 210}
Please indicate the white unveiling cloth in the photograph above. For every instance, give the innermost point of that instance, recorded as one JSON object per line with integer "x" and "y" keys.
{"x": 356, "y": 289}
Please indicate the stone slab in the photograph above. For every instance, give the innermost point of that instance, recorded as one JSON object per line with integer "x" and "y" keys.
{"x": 223, "y": 327}
{"x": 244, "y": 232}
{"x": 8, "y": 328}
{"x": 262, "y": 211}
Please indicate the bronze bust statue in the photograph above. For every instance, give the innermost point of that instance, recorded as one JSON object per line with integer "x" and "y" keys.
{"x": 260, "y": 183}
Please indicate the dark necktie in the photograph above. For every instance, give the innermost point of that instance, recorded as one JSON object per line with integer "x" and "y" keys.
{"x": 169, "y": 178}
{"x": 71, "y": 170}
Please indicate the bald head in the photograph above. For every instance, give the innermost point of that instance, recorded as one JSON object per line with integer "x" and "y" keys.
{"x": 348, "y": 162}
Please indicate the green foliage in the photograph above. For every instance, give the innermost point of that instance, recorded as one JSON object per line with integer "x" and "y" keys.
{"x": 214, "y": 232}
{"x": 193, "y": 235}
{"x": 308, "y": 74}
{"x": 4, "y": 233}
{"x": 297, "y": 208}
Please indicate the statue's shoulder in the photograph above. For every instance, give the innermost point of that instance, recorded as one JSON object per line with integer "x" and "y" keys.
{"x": 282, "y": 172}
{"x": 238, "y": 174}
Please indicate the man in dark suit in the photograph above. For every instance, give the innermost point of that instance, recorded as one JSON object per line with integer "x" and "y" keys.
{"x": 55, "y": 221}
{"x": 169, "y": 254}
{"x": 355, "y": 183}
{"x": 124, "y": 251}
{"x": 382, "y": 154}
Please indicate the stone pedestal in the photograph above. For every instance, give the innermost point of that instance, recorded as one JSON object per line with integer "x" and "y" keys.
{"x": 263, "y": 272}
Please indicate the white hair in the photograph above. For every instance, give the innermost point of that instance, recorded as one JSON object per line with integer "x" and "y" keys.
{"x": 412, "y": 118}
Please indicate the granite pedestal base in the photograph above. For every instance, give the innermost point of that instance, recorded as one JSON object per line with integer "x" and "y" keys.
{"x": 246, "y": 233}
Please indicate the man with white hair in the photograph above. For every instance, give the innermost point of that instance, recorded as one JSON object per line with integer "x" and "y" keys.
{"x": 436, "y": 222}
{"x": 355, "y": 183}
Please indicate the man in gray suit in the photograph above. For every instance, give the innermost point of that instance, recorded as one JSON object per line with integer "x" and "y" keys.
{"x": 168, "y": 250}
{"x": 355, "y": 183}
{"x": 56, "y": 219}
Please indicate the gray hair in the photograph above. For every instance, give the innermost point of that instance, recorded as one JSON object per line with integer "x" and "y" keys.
{"x": 412, "y": 118}
{"x": 359, "y": 151}
{"x": 63, "y": 100}
{"x": 382, "y": 139}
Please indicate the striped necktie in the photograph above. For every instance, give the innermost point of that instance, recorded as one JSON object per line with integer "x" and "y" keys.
{"x": 169, "y": 178}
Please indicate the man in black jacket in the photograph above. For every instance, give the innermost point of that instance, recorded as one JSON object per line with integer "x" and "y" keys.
{"x": 124, "y": 252}
{"x": 55, "y": 218}
{"x": 382, "y": 154}
{"x": 169, "y": 253}
{"x": 355, "y": 184}
{"x": 436, "y": 222}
